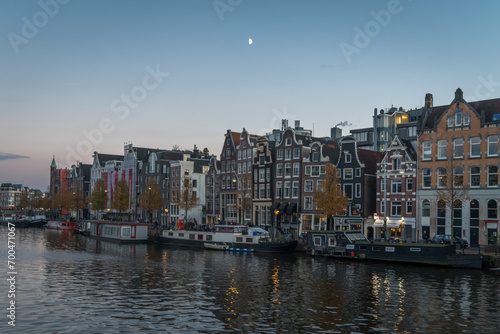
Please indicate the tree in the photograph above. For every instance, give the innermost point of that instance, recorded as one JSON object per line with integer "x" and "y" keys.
{"x": 151, "y": 200}
{"x": 187, "y": 197}
{"x": 24, "y": 201}
{"x": 206, "y": 152}
{"x": 244, "y": 203}
{"x": 99, "y": 196}
{"x": 77, "y": 199}
{"x": 121, "y": 200}
{"x": 450, "y": 189}
{"x": 60, "y": 200}
{"x": 330, "y": 199}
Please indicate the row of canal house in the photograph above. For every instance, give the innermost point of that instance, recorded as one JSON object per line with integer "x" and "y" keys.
{"x": 270, "y": 180}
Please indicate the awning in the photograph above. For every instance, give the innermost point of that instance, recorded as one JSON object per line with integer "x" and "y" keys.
{"x": 274, "y": 206}
{"x": 391, "y": 223}
{"x": 291, "y": 208}
{"x": 282, "y": 207}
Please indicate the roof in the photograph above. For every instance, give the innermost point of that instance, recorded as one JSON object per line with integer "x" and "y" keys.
{"x": 369, "y": 159}
{"x": 488, "y": 108}
{"x": 103, "y": 158}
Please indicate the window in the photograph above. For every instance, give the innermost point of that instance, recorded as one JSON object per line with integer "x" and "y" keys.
{"x": 492, "y": 208}
{"x": 288, "y": 170}
{"x": 239, "y": 155}
{"x": 296, "y": 153}
{"x": 475, "y": 147}
{"x": 295, "y": 189}
{"x": 382, "y": 184}
{"x": 492, "y": 176}
{"x": 255, "y": 175}
{"x": 315, "y": 157}
{"x": 322, "y": 169}
{"x": 409, "y": 184}
{"x": 308, "y": 186}
{"x": 279, "y": 155}
{"x": 348, "y": 190}
{"x": 466, "y": 119}
{"x": 348, "y": 173}
{"x": 475, "y": 173}
{"x": 308, "y": 203}
{"x": 244, "y": 154}
{"x": 268, "y": 174}
{"x": 396, "y": 209}
{"x": 279, "y": 170}
{"x": 262, "y": 173}
{"x": 262, "y": 160}
{"x": 308, "y": 170}
{"x": 358, "y": 190}
{"x": 474, "y": 213}
{"x": 441, "y": 173}
{"x": 239, "y": 168}
{"x": 262, "y": 191}
{"x": 441, "y": 214}
{"x": 244, "y": 168}
{"x": 492, "y": 146}
{"x": 287, "y": 189}
{"x": 458, "y": 119}
{"x": 279, "y": 190}
{"x": 396, "y": 164}
{"x": 319, "y": 184}
{"x": 426, "y": 178}
{"x": 458, "y": 176}
{"x": 442, "y": 149}
{"x": 268, "y": 190}
{"x": 195, "y": 183}
{"x": 426, "y": 150}
{"x": 457, "y": 213}
{"x": 450, "y": 121}
{"x": 458, "y": 148}
{"x": 396, "y": 186}
{"x": 426, "y": 208}
{"x": 358, "y": 172}
{"x": 288, "y": 154}
{"x": 382, "y": 207}
{"x": 315, "y": 171}
{"x": 409, "y": 207}
{"x": 288, "y": 141}
{"x": 347, "y": 157}
{"x": 296, "y": 169}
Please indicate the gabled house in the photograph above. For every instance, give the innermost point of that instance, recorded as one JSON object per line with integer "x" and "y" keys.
{"x": 396, "y": 193}
{"x": 460, "y": 140}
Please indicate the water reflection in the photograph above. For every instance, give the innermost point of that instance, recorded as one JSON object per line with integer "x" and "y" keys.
{"x": 69, "y": 283}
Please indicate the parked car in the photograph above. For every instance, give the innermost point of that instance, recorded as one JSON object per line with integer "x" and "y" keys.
{"x": 446, "y": 239}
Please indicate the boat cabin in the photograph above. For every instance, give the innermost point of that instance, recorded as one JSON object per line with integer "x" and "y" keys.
{"x": 119, "y": 231}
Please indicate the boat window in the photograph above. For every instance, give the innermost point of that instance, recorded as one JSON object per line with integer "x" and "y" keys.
{"x": 170, "y": 234}
{"x": 376, "y": 248}
{"x": 181, "y": 235}
{"x": 200, "y": 236}
{"x": 331, "y": 241}
{"x": 191, "y": 236}
{"x": 239, "y": 239}
{"x": 317, "y": 241}
{"x": 248, "y": 239}
{"x": 125, "y": 231}
{"x": 209, "y": 237}
{"x": 363, "y": 247}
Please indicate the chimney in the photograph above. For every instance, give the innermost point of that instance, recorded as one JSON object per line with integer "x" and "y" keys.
{"x": 428, "y": 101}
{"x": 459, "y": 95}
{"x": 297, "y": 124}
{"x": 335, "y": 132}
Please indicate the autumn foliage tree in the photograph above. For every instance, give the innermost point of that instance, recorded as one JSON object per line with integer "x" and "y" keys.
{"x": 121, "y": 198}
{"x": 61, "y": 200}
{"x": 77, "y": 199}
{"x": 99, "y": 196}
{"x": 330, "y": 199}
{"x": 151, "y": 199}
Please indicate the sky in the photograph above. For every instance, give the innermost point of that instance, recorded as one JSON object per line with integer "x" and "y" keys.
{"x": 78, "y": 76}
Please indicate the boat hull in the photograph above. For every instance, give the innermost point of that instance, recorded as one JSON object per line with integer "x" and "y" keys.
{"x": 262, "y": 247}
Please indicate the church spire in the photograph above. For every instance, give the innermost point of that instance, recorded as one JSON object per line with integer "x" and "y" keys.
{"x": 53, "y": 164}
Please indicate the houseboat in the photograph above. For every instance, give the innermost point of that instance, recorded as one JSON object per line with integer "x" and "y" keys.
{"x": 354, "y": 245}
{"x": 236, "y": 236}
{"x": 61, "y": 225}
{"x": 125, "y": 232}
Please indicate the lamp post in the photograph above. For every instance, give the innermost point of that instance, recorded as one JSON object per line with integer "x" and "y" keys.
{"x": 385, "y": 201}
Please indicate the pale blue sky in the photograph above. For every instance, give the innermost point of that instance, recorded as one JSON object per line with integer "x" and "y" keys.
{"x": 70, "y": 74}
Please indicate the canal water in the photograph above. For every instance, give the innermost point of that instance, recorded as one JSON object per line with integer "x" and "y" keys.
{"x": 68, "y": 283}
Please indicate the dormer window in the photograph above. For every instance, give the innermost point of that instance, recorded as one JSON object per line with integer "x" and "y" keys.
{"x": 288, "y": 141}
{"x": 347, "y": 157}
